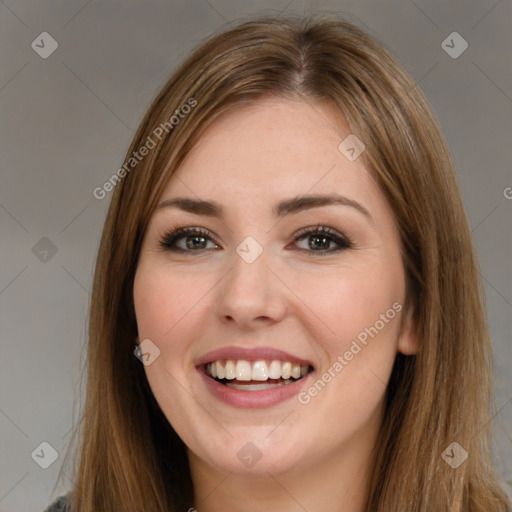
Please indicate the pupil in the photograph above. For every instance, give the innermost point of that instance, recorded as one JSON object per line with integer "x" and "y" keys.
{"x": 191, "y": 242}
{"x": 324, "y": 242}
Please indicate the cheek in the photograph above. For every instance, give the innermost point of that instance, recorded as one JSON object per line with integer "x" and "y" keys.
{"x": 163, "y": 299}
{"x": 166, "y": 308}
{"x": 360, "y": 311}
{"x": 351, "y": 303}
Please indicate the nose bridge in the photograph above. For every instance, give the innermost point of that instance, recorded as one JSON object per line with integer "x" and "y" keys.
{"x": 249, "y": 275}
{"x": 250, "y": 291}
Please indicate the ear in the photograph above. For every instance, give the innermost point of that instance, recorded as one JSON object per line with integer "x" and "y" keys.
{"x": 408, "y": 339}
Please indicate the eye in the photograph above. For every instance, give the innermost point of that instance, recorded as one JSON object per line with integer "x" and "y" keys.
{"x": 320, "y": 238}
{"x": 193, "y": 238}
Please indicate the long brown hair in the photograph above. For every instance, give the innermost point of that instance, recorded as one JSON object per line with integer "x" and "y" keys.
{"x": 128, "y": 457}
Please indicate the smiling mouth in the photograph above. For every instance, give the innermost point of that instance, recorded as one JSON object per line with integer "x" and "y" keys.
{"x": 256, "y": 375}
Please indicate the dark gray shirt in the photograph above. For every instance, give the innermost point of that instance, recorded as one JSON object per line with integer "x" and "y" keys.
{"x": 59, "y": 505}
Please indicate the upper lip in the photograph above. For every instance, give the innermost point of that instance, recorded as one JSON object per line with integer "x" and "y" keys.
{"x": 251, "y": 354}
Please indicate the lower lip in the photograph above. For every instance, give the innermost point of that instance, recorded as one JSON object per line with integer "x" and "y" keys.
{"x": 253, "y": 399}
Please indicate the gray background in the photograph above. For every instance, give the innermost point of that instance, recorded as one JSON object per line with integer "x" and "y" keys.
{"x": 66, "y": 122}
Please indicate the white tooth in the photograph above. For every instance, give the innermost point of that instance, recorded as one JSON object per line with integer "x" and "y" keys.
{"x": 221, "y": 374}
{"x": 259, "y": 370}
{"x": 230, "y": 369}
{"x": 286, "y": 370}
{"x": 243, "y": 370}
{"x": 213, "y": 369}
{"x": 295, "y": 373}
{"x": 274, "y": 371}
{"x": 303, "y": 370}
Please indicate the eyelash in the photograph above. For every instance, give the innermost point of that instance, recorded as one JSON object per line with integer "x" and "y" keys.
{"x": 168, "y": 241}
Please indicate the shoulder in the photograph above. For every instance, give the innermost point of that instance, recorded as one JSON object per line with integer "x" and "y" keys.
{"x": 59, "y": 505}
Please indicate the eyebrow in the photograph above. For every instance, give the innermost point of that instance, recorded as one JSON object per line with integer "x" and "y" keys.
{"x": 281, "y": 209}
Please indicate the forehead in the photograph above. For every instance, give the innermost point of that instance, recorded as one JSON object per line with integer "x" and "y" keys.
{"x": 273, "y": 149}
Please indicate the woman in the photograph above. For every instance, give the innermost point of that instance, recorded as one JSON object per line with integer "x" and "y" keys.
{"x": 287, "y": 252}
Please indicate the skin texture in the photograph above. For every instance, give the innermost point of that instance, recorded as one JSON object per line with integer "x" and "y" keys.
{"x": 317, "y": 454}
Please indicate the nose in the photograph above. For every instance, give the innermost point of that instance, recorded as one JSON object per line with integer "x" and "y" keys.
{"x": 251, "y": 295}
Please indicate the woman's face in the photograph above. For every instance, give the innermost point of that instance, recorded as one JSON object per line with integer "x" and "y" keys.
{"x": 291, "y": 265}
